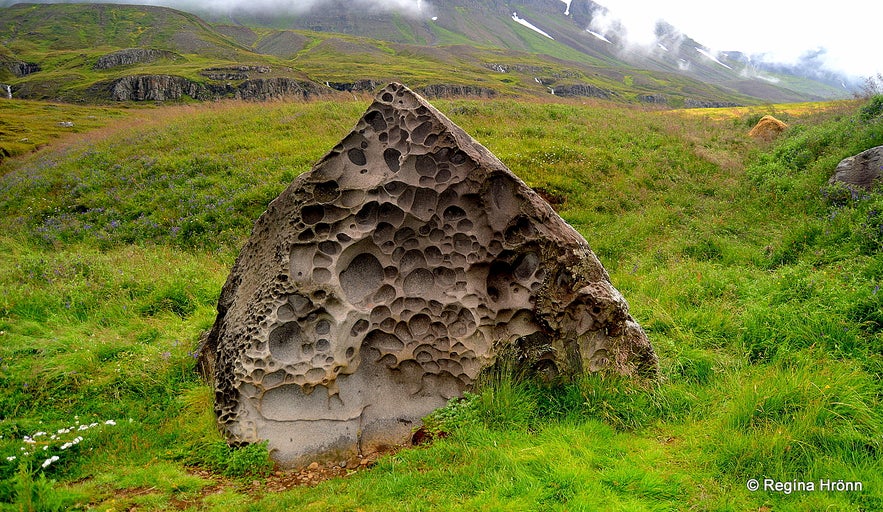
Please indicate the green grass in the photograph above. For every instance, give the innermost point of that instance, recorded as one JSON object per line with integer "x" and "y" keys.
{"x": 758, "y": 286}
{"x": 27, "y": 126}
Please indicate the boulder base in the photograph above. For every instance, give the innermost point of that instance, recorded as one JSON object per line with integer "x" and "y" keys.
{"x": 383, "y": 282}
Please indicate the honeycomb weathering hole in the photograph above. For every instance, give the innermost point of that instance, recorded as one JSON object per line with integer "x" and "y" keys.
{"x": 388, "y": 278}
{"x": 391, "y": 157}
{"x": 357, "y": 156}
{"x": 285, "y": 342}
{"x": 419, "y": 281}
{"x": 363, "y": 276}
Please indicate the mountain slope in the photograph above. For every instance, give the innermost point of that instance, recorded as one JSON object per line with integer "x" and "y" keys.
{"x": 471, "y": 47}
{"x": 64, "y": 27}
{"x": 107, "y": 52}
{"x": 520, "y": 24}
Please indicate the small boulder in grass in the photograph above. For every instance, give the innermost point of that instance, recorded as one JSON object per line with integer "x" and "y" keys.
{"x": 862, "y": 172}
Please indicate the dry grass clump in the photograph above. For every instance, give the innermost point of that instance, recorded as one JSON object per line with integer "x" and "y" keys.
{"x": 767, "y": 128}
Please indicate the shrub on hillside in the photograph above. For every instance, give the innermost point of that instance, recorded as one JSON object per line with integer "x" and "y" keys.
{"x": 872, "y": 109}
{"x": 871, "y": 231}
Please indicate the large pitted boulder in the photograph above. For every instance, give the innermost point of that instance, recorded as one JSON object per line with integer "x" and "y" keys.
{"x": 862, "y": 172}
{"x": 383, "y": 282}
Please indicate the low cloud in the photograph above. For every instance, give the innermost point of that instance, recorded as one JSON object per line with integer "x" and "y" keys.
{"x": 631, "y": 28}
{"x": 637, "y": 33}
{"x": 406, "y": 7}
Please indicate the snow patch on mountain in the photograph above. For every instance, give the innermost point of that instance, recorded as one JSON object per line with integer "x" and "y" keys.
{"x": 712, "y": 57}
{"x": 529, "y": 25}
{"x": 599, "y": 36}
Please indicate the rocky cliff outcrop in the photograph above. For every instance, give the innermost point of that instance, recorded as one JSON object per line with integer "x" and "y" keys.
{"x": 453, "y": 91}
{"x": 173, "y": 88}
{"x": 656, "y": 99}
{"x": 156, "y": 88}
{"x": 20, "y": 68}
{"x": 277, "y": 88}
{"x": 586, "y": 90}
{"x": 365, "y": 85}
{"x": 235, "y": 73}
{"x": 694, "y": 103}
{"x": 383, "y": 283}
{"x": 132, "y": 56}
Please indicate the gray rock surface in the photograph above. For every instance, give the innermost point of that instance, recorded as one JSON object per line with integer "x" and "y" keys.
{"x": 19, "y": 68}
{"x": 384, "y": 281}
{"x": 452, "y": 90}
{"x": 364, "y": 85}
{"x": 156, "y": 88}
{"x": 132, "y": 56}
{"x": 862, "y": 172}
{"x": 234, "y": 73}
{"x": 694, "y": 103}
{"x": 171, "y": 87}
{"x": 587, "y": 90}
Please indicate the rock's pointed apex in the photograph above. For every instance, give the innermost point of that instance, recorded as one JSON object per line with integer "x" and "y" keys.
{"x": 383, "y": 282}
{"x": 400, "y": 97}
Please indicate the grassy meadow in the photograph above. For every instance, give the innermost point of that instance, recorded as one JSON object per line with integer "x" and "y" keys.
{"x": 758, "y": 285}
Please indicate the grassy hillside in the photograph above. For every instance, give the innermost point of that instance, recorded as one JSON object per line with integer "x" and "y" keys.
{"x": 758, "y": 286}
{"x": 67, "y": 27}
{"x": 65, "y": 42}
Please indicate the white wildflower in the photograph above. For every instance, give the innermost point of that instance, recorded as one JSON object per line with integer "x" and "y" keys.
{"x": 28, "y": 440}
{"x": 110, "y": 422}
{"x": 49, "y": 461}
{"x": 70, "y": 444}
{"x": 10, "y": 459}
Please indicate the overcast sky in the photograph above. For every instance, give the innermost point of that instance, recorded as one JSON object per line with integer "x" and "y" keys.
{"x": 848, "y": 29}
